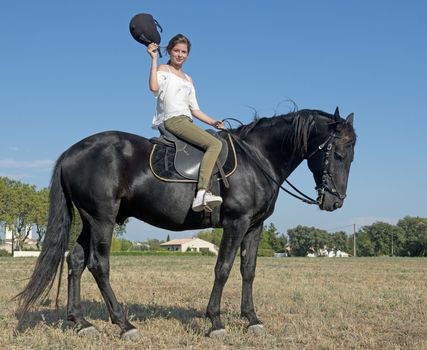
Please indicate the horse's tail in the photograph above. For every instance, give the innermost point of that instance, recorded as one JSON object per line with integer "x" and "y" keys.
{"x": 54, "y": 245}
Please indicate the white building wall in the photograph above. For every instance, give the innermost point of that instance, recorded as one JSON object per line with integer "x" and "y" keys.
{"x": 8, "y": 233}
{"x": 193, "y": 245}
{"x": 197, "y": 245}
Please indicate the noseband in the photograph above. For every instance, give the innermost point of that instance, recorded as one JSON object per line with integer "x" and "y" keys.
{"x": 328, "y": 183}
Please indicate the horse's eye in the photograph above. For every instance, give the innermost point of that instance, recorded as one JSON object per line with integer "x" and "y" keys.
{"x": 338, "y": 156}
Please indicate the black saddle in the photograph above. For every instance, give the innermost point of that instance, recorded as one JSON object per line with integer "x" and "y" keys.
{"x": 173, "y": 159}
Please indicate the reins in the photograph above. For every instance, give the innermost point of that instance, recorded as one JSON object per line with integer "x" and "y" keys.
{"x": 303, "y": 197}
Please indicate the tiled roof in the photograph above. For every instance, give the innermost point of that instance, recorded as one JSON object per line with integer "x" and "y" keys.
{"x": 178, "y": 241}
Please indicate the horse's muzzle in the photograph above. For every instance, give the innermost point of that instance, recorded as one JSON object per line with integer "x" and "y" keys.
{"x": 329, "y": 201}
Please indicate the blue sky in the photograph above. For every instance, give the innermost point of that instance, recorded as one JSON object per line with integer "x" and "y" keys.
{"x": 71, "y": 69}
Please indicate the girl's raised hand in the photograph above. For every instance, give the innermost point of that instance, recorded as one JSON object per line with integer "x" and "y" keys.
{"x": 152, "y": 50}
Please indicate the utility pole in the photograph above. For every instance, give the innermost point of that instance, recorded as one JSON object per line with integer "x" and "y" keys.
{"x": 13, "y": 242}
{"x": 392, "y": 250}
{"x": 354, "y": 240}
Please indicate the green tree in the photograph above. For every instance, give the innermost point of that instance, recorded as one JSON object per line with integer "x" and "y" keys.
{"x": 120, "y": 244}
{"x": 379, "y": 239}
{"x": 20, "y": 212}
{"x": 154, "y": 244}
{"x": 21, "y": 206}
{"x": 414, "y": 230}
{"x": 302, "y": 238}
{"x": 41, "y": 205}
{"x": 4, "y": 200}
{"x": 4, "y": 197}
{"x": 120, "y": 229}
{"x": 213, "y": 236}
{"x": 272, "y": 239}
{"x": 7, "y": 201}
{"x": 339, "y": 240}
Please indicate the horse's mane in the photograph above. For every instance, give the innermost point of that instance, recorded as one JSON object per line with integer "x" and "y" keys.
{"x": 300, "y": 124}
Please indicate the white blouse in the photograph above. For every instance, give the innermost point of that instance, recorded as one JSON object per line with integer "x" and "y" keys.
{"x": 176, "y": 96}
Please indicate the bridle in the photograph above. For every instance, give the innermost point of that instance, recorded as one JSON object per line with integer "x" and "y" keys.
{"x": 327, "y": 185}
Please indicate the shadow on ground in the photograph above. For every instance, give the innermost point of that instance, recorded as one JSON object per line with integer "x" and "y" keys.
{"x": 95, "y": 310}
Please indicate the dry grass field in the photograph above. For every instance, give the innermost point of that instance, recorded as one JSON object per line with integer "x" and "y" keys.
{"x": 305, "y": 303}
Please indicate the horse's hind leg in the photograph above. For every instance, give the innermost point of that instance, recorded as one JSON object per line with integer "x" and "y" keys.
{"x": 248, "y": 254}
{"x": 99, "y": 266}
{"x": 77, "y": 260}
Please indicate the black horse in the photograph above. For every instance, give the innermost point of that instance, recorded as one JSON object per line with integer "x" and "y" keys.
{"x": 108, "y": 179}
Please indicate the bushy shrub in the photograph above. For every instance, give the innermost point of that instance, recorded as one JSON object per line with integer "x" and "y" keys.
{"x": 28, "y": 248}
{"x": 265, "y": 252}
{"x": 207, "y": 253}
{"x": 4, "y": 252}
{"x": 120, "y": 245}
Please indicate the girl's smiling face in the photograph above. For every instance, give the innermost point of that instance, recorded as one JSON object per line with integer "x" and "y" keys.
{"x": 178, "y": 55}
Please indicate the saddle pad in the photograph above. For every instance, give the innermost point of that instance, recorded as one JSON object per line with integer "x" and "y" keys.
{"x": 162, "y": 163}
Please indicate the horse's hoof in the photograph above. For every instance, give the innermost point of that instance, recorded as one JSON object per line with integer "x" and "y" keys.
{"x": 132, "y": 334}
{"x": 90, "y": 331}
{"x": 219, "y": 334}
{"x": 256, "y": 329}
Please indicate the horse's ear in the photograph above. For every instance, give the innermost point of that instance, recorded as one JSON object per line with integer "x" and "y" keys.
{"x": 349, "y": 119}
{"x": 337, "y": 114}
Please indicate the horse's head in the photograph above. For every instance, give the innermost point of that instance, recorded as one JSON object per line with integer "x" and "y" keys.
{"x": 330, "y": 160}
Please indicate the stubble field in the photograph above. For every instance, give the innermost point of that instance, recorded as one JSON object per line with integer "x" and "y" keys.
{"x": 304, "y": 303}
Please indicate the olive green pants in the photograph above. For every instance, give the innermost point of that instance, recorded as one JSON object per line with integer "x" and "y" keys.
{"x": 184, "y": 128}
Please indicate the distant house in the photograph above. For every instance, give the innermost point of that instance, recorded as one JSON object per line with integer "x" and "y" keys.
{"x": 190, "y": 244}
{"x": 6, "y": 243}
{"x": 7, "y": 234}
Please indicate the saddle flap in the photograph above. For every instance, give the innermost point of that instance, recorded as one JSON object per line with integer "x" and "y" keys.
{"x": 162, "y": 160}
{"x": 188, "y": 157}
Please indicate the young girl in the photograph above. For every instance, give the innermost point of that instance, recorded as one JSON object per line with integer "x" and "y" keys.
{"x": 176, "y": 104}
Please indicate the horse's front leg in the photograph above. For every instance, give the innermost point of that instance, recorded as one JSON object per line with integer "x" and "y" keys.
{"x": 231, "y": 239}
{"x": 248, "y": 254}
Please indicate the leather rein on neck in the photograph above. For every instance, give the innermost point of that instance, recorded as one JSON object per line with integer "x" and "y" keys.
{"x": 302, "y": 196}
